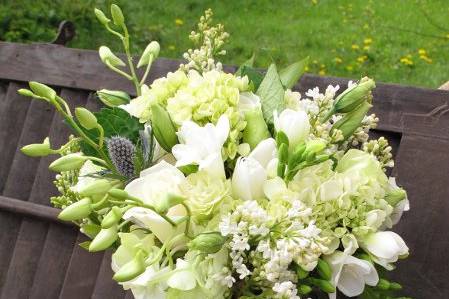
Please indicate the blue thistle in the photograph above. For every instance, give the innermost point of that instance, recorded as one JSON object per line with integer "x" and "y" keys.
{"x": 121, "y": 151}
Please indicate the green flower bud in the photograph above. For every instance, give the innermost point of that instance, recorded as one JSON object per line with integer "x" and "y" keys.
{"x": 117, "y": 15}
{"x": 26, "y": 92}
{"x": 315, "y": 146}
{"x": 86, "y": 118}
{"x": 78, "y": 210}
{"x": 210, "y": 242}
{"x": 105, "y": 238}
{"x": 304, "y": 289}
{"x": 394, "y": 286}
{"x": 112, "y": 217}
{"x": 281, "y": 138}
{"x": 395, "y": 196}
{"x": 163, "y": 129}
{"x": 150, "y": 53}
{"x": 324, "y": 270}
{"x": 118, "y": 194}
{"x": 100, "y": 186}
{"x": 90, "y": 230}
{"x": 351, "y": 121}
{"x": 324, "y": 285}
{"x": 42, "y": 90}
{"x": 108, "y": 57}
{"x": 38, "y": 149}
{"x": 169, "y": 201}
{"x": 283, "y": 153}
{"x": 383, "y": 284}
{"x": 113, "y": 98}
{"x": 68, "y": 162}
{"x": 351, "y": 98}
{"x": 101, "y": 17}
{"x": 132, "y": 269}
{"x": 256, "y": 128}
{"x": 301, "y": 273}
{"x": 297, "y": 156}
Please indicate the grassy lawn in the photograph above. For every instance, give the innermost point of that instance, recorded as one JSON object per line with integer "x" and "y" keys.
{"x": 396, "y": 41}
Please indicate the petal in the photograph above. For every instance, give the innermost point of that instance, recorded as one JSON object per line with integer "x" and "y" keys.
{"x": 274, "y": 187}
{"x": 182, "y": 280}
{"x": 264, "y": 152}
{"x": 351, "y": 283}
{"x": 213, "y": 165}
{"x": 222, "y": 129}
{"x": 383, "y": 245}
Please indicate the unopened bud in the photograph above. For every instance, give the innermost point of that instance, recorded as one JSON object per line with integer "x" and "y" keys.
{"x": 108, "y": 57}
{"x": 117, "y": 15}
{"x": 68, "y": 162}
{"x": 283, "y": 153}
{"x": 210, "y": 242}
{"x": 42, "y": 90}
{"x": 101, "y": 17}
{"x": 281, "y": 138}
{"x": 395, "y": 196}
{"x": 104, "y": 239}
{"x": 351, "y": 121}
{"x": 304, "y": 289}
{"x": 256, "y": 128}
{"x": 353, "y": 97}
{"x": 150, "y": 53}
{"x": 169, "y": 201}
{"x": 100, "y": 186}
{"x": 86, "y": 118}
{"x": 301, "y": 273}
{"x": 383, "y": 284}
{"x": 112, "y": 217}
{"x": 118, "y": 194}
{"x": 113, "y": 98}
{"x": 25, "y": 92}
{"x": 324, "y": 285}
{"x": 324, "y": 270}
{"x": 38, "y": 149}
{"x": 163, "y": 129}
{"x": 78, "y": 210}
{"x": 132, "y": 269}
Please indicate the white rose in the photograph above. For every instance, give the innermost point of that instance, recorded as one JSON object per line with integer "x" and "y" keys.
{"x": 295, "y": 124}
{"x": 151, "y": 188}
{"x": 350, "y": 274}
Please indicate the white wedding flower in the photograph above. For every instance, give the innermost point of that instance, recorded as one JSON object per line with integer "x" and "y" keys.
{"x": 152, "y": 187}
{"x": 250, "y": 172}
{"x": 295, "y": 124}
{"x": 384, "y": 247}
{"x": 350, "y": 274}
{"x": 248, "y": 101}
{"x": 202, "y": 145}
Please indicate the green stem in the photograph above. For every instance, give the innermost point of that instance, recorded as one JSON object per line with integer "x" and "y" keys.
{"x": 118, "y": 71}
{"x": 147, "y": 71}
{"x": 125, "y": 41}
{"x": 189, "y": 216}
{"x": 140, "y": 203}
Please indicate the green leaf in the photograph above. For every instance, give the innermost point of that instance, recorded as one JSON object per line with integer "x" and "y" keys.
{"x": 291, "y": 74}
{"x": 254, "y": 76}
{"x": 248, "y": 63}
{"x": 271, "y": 93}
{"x": 115, "y": 122}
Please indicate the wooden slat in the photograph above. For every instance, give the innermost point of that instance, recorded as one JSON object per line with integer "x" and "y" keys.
{"x": 105, "y": 286}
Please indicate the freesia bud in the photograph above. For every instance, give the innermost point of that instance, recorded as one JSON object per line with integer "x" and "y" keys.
{"x": 395, "y": 286}
{"x": 117, "y": 15}
{"x": 304, "y": 289}
{"x": 105, "y": 238}
{"x": 383, "y": 284}
{"x": 281, "y": 138}
{"x": 118, "y": 194}
{"x": 100, "y": 186}
{"x": 315, "y": 146}
{"x": 112, "y": 217}
{"x": 108, "y": 57}
{"x": 68, "y": 162}
{"x": 38, "y": 149}
{"x": 132, "y": 269}
{"x": 210, "y": 242}
{"x": 295, "y": 124}
{"x": 324, "y": 270}
{"x": 324, "y": 285}
{"x": 25, "y": 92}
{"x": 351, "y": 98}
{"x": 101, "y": 17}
{"x": 301, "y": 273}
{"x": 163, "y": 129}
{"x": 78, "y": 210}
{"x": 395, "y": 196}
{"x": 42, "y": 90}
{"x": 113, "y": 98}
{"x": 169, "y": 201}
{"x": 351, "y": 121}
{"x": 256, "y": 129}
{"x": 150, "y": 53}
{"x": 86, "y": 118}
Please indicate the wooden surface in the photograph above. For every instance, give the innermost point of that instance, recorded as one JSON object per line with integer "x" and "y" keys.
{"x": 39, "y": 256}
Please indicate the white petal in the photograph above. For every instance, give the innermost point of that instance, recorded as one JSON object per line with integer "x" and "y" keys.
{"x": 213, "y": 165}
{"x": 264, "y": 152}
{"x": 383, "y": 245}
{"x": 182, "y": 280}
{"x": 274, "y": 187}
{"x": 351, "y": 283}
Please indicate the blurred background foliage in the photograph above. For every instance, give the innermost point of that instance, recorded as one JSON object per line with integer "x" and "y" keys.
{"x": 400, "y": 41}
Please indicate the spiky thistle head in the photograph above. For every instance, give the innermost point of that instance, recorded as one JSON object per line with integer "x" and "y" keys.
{"x": 121, "y": 151}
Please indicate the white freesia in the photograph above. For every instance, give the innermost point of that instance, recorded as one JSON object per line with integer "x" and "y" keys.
{"x": 248, "y": 101}
{"x": 152, "y": 187}
{"x": 384, "y": 247}
{"x": 295, "y": 124}
{"x": 138, "y": 107}
{"x": 350, "y": 274}
{"x": 250, "y": 172}
{"x": 202, "y": 145}
{"x": 399, "y": 209}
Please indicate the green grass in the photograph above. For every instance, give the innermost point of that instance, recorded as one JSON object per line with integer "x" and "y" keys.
{"x": 335, "y": 34}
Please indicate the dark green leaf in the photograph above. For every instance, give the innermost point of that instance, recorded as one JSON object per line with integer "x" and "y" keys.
{"x": 271, "y": 93}
{"x": 291, "y": 74}
{"x": 254, "y": 76}
{"x": 249, "y": 62}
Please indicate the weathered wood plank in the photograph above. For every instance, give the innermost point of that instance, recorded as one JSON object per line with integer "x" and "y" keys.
{"x": 105, "y": 286}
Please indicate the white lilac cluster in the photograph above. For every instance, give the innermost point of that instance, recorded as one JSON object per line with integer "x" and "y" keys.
{"x": 230, "y": 190}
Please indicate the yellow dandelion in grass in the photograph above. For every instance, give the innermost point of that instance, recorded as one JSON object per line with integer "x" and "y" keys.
{"x": 362, "y": 59}
{"x": 322, "y": 72}
{"x": 367, "y": 41}
{"x": 366, "y": 26}
{"x": 306, "y": 69}
{"x": 171, "y": 47}
{"x": 349, "y": 68}
{"x": 425, "y": 58}
{"x": 447, "y": 36}
{"x": 179, "y": 22}
{"x": 366, "y": 48}
{"x": 406, "y": 60}
{"x": 314, "y": 2}
{"x": 338, "y": 60}
{"x": 355, "y": 47}
{"x": 422, "y": 52}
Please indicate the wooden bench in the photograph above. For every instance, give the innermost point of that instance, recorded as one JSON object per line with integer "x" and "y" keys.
{"x": 39, "y": 256}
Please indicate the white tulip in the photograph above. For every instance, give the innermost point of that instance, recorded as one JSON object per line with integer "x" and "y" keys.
{"x": 384, "y": 247}
{"x": 202, "y": 146}
{"x": 295, "y": 124}
{"x": 151, "y": 188}
{"x": 350, "y": 274}
{"x": 250, "y": 172}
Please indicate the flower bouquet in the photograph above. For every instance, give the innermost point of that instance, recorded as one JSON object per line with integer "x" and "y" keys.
{"x": 217, "y": 185}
